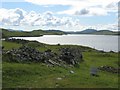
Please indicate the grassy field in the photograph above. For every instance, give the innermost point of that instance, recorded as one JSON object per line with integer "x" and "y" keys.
{"x": 39, "y": 75}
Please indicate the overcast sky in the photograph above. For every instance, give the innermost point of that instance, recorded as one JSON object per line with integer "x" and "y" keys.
{"x": 67, "y": 15}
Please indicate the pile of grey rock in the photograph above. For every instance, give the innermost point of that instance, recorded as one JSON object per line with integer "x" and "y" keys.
{"x": 110, "y": 69}
{"x": 24, "y": 54}
{"x": 71, "y": 56}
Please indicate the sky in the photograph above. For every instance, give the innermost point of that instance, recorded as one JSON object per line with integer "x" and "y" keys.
{"x": 65, "y": 15}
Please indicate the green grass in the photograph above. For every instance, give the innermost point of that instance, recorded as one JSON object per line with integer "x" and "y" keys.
{"x": 99, "y": 59}
{"x": 38, "y": 75}
{"x": 10, "y": 45}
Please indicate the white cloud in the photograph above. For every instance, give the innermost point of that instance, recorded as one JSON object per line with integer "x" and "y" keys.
{"x": 95, "y": 7}
{"x": 47, "y": 20}
{"x": 11, "y": 16}
{"x": 29, "y": 18}
{"x": 19, "y": 17}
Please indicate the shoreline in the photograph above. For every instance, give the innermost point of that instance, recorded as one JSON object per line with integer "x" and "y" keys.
{"x": 69, "y": 76}
{"x": 60, "y": 37}
{"x": 58, "y": 44}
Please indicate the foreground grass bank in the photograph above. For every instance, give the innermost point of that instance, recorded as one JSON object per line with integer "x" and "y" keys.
{"x": 39, "y": 75}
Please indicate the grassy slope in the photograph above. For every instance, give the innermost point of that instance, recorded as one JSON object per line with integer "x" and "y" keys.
{"x": 6, "y": 33}
{"x": 38, "y": 75}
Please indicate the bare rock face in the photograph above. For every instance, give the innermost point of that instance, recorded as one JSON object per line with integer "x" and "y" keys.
{"x": 71, "y": 56}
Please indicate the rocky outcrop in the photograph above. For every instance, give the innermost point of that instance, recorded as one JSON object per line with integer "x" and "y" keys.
{"x": 71, "y": 56}
{"x": 24, "y": 54}
{"x": 110, "y": 69}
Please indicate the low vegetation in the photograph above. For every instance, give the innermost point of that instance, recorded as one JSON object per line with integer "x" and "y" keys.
{"x": 12, "y": 33}
{"x": 41, "y": 75}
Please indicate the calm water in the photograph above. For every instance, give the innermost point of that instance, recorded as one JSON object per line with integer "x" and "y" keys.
{"x": 100, "y": 42}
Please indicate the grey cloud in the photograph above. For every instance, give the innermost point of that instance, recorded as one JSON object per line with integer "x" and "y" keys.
{"x": 82, "y": 12}
{"x": 112, "y": 5}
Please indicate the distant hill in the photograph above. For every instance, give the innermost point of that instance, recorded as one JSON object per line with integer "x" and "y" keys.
{"x": 12, "y": 33}
{"x": 96, "y": 32}
{"x": 35, "y": 33}
{"x": 106, "y": 32}
{"x": 88, "y": 31}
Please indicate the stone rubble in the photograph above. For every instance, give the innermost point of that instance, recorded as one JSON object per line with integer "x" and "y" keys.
{"x": 110, "y": 69}
{"x": 69, "y": 56}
